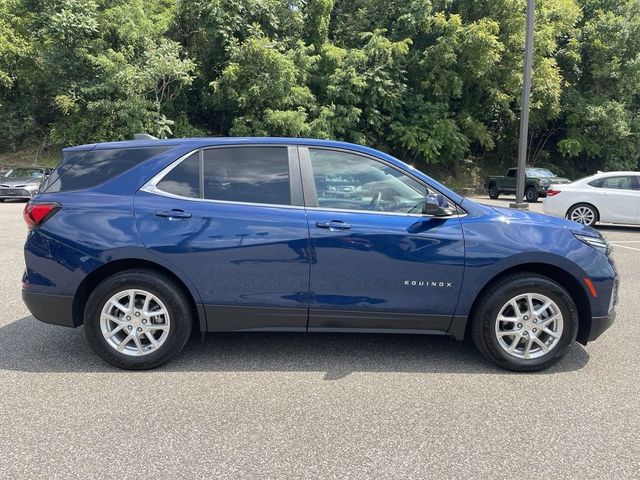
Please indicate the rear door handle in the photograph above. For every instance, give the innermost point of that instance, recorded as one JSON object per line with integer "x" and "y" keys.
{"x": 334, "y": 225}
{"x": 173, "y": 214}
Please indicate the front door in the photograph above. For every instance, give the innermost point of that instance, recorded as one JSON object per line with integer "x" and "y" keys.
{"x": 377, "y": 265}
{"x": 232, "y": 220}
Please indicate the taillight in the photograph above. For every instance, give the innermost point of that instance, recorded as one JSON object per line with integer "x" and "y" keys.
{"x": 551, "y": 193}
{"x": 35, "y": 214}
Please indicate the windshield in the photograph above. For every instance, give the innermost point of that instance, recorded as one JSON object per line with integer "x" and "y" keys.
{"x": 539, "y": 172}
{"x": 26, "y": 172}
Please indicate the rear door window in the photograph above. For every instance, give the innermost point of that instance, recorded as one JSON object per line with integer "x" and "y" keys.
{"x": 184, "y": 179}
{"x": 247, "y": 175}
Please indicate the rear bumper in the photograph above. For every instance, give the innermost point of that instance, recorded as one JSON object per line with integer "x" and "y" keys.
{"x": 55, "y": 309}
{"x": 600, "y": 324}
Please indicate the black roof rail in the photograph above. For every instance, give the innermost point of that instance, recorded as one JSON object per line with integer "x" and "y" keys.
{"x": 143, "y": 136}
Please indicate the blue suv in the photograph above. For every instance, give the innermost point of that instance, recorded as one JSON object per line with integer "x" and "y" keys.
{"x": 144, "y": 241}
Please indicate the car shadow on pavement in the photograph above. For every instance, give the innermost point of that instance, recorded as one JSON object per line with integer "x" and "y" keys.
{"x": 30, "y": 346}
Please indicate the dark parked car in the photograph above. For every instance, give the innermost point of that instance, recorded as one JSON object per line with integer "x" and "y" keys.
{"x": 537, "y": 183}
{"x": 22, "y": 182}
{"x": 143, "y": 241}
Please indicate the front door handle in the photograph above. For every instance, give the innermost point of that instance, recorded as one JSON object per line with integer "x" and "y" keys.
{"x": 173, "y": 214}
{"x": 334, "y": 225}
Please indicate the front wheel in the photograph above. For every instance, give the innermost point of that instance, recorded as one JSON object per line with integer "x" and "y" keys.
{"x": 531, "y": 195}
{"x": 493, "y": 191}
{"x": 525, "y": 322}
{"x": 137, "y": 319}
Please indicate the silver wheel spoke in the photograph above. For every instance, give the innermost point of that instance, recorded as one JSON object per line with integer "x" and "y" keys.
{"x": 113, "y": 332}
{"x": 550, "y": 333}
{"x": 527, "y": 348}
{"x": 516, "y": 309}
{"x": 531, "y": 310}
{"x": 543, "y": 308}
{"x": 547, "y": 321}
{"x": 515, "y": 343}
{"x": 136, "y": 340}
{"x": 145, "y": 305}
{"x": 543, "y": 345}
{"x": 151, "y": 339}
{"x": 158, "y": 327}
{"x": 119, "y": 306}
{"x": 508, "y": 332}
{"x": 124, "y": 342}
{"x": 119, "y": 321}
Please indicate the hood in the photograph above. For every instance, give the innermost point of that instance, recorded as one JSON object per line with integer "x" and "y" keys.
{"x": 526, "y": 217}
{"x": 19, "y": 181}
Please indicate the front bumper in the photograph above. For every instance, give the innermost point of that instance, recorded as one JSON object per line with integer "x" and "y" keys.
{"x": 16, "y": 193}
{"x": 600, "y": 324}
{"x": 55, "y": 309}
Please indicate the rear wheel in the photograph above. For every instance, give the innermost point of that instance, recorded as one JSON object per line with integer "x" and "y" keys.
{"x": 583, "y": 213}
{"x": 493, "y": 191}
{"x": 137, "y": 319}
{"x": 531, "y": 194}
{"x": 525, "y": 322}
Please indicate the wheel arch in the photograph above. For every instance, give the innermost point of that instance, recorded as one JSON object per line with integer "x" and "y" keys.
{"x": 91, "y": 281}
{"x": 558, "y": 274}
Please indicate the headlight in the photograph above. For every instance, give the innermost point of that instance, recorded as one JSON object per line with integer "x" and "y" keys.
{"x": 598, "y": 243}
{"x": 33, "y": 185}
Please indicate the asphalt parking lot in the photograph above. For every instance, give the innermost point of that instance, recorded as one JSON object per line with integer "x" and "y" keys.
{"x": 318, "y": 406}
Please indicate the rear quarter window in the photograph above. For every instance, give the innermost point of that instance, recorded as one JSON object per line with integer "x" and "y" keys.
{"x": 99, "y": 166}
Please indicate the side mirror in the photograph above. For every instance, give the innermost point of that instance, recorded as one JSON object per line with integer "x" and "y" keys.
{"x": 436, "y": 205}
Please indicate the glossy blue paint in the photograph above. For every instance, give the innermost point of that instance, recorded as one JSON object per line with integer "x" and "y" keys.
{"x": 273, "y": 260}
{"x": 386, "y": 263}
{"x": 241, "y": 255}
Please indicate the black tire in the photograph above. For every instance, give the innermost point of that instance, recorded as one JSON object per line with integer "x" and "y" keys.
{"x": 488, "y": 307}
{"x": 594, "y": 210}
{"x": 2, "y": 200}
{"x": 163, "y": 287}
{"x": 531, "y": 195}
{"x": 493, "y": 191}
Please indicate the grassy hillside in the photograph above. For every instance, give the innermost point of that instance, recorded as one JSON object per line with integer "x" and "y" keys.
{"x": 30, "y": 156}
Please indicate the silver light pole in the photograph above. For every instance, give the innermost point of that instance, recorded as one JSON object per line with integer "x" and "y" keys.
{"x": 524, "y": 109}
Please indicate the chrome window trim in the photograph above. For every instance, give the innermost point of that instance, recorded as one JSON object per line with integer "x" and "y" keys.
{"x": 395, "y": 214}
{"x": 151, "y": 185}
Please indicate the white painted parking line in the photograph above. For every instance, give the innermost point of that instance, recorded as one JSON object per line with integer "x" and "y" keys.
{"x": 624, "y": 246}
{"x": 625, "y": 241}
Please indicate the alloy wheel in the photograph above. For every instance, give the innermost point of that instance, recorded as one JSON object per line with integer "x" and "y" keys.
{"x": 135, "y": 322}
{"x": 529, "y": 326}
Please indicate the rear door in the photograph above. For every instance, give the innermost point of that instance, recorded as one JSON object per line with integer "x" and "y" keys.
{"x": 375, "y": 265}
{"x": 232, "y": 219}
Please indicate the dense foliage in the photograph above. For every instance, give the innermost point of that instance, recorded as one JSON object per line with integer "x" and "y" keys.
{"x": 431, "y": 81}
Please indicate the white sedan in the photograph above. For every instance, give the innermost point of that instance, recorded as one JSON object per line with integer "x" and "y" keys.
{"x": 611, "y": 197}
